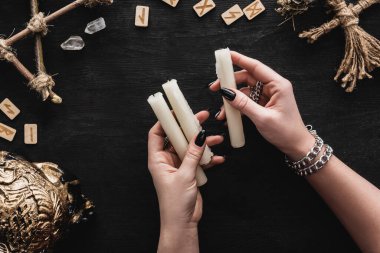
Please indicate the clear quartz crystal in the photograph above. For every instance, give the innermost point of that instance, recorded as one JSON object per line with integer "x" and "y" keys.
{"x": 73, "y": 43}
{"x": 95, "y": 26}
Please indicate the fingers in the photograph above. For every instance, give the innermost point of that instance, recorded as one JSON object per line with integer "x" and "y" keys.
{"x": 157, "y": 135}
{"x": 193, "y": 155}
{"x": 156, "y": 138}
{"x": 243, "y": 103}
{"x": 221, "y": 114}
{"x": 214, "y": 140}
{"x": 263, "y": 100}
{"x": 202, "y": 116}
{"x": 215, "y": 160}
{"x": 258, "y": 70}
{"x": 242, "y": 76}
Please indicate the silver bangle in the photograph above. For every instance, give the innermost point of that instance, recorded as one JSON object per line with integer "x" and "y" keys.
{"x": 318, "y": 164}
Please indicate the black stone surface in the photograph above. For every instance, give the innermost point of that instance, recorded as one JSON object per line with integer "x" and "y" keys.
{"x": 253, "y": 203}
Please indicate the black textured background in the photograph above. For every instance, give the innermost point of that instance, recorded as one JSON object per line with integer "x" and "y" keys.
{"x": 252, "y": 203}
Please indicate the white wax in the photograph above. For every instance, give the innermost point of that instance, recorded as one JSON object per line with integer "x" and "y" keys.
{"x": 173, "y": 131}
{"x": 188, "y": 121}
{"x": 225, "y": 73}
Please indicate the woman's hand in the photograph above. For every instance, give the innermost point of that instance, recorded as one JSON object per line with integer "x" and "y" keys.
{"x": 354, "y": 200}
{"x": 276, "y": 116}
{"x": 179, "y": 198}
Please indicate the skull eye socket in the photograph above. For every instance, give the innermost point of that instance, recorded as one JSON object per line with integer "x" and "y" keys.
{"x": 9, "y": 157}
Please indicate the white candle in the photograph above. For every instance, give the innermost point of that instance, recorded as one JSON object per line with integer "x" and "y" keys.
{"x": 188, "y": 121}
{"x": 226, "y": 75}
{"x": 173, "y": 131}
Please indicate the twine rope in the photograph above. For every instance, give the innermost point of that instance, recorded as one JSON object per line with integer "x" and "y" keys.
{"x": 345, "y": 14}
{"x": 362, "y": 5}
{"x": 6, "y": 51}
{"x": 43, "y": 84}
{"x": 37, "y": 24}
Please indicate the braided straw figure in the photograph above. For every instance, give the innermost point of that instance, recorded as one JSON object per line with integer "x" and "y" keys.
{"x": 362, "y": 51}
{"x": 38, "y": 202}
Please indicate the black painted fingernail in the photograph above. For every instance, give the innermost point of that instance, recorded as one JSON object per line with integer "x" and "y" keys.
{"x": 208, "y": 85}
{"x": 217, "y": 114}
{"x": 228, "y": 94}
{"x": 201, "y": 138}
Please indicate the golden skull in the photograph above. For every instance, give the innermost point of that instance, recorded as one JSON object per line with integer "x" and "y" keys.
{"x": 38, "y": 202}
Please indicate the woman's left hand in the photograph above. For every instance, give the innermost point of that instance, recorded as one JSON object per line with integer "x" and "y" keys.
{"x": 178, "y": 195}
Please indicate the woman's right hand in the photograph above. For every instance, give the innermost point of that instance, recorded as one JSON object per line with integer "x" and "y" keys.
{"x": 354, "y": 200}
{"x": 276, "y": 116}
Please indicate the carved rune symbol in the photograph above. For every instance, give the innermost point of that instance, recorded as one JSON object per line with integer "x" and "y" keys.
{"x": 9, "y": 110}
{"x": 204, "y": 7}
{"x": 254, "y": 9}
{"x": 233, "y": 14}
{"x": 142, "y": 16}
